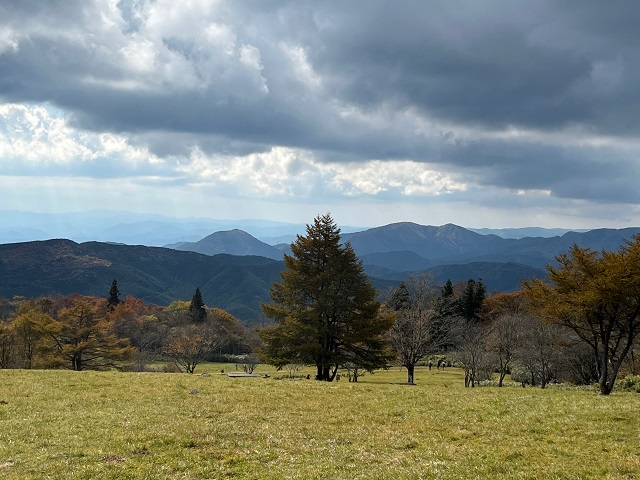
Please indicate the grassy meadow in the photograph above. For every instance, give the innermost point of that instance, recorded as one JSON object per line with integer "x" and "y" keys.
{"x": 103, "y": 425}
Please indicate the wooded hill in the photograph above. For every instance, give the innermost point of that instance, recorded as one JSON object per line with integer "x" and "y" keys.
{"x": 153, "y": 274}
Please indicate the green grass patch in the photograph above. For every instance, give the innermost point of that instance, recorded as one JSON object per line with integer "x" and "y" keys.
{"x": 103, "y": 425}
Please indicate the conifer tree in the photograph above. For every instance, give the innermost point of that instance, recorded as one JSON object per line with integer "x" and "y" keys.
{"x": 472, "y": 299}
{"x": 114, "y": 295}
{"x": 400, "y": 299}
{"x": 447, "y": 290}
{"x": 324, "y": 308}
{"x": 197, "y": 307}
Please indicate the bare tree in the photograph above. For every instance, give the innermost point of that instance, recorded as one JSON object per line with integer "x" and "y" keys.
{"x": 503, "y": 341}
{"x": 190, "y": 344}
{"x": 540, "y": 351}
{"x": 471, "y": 352}
{"x": 413, "y": 335}
{"x": 249, "y": 363}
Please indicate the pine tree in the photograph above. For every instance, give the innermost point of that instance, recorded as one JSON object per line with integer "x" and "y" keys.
{"x": 197, "y": 307}
{"x": 472, "y": 299}
{"x": 324, "y": 309}
{"x": 447, "y": 290}
{"x": 114, "y": 296}
{"x": 400, "y": 298}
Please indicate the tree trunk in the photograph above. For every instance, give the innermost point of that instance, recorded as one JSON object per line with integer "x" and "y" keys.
{"x": 76, "y": 363}
{"x": 503, "y": 373}
{"x": 410, "y": 373}
{"x": 603, "y": 381}
{"x": 325, "y": 373}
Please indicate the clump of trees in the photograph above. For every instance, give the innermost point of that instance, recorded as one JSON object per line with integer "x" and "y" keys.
{"x": 596, "y": 296}
{"x": 80, "y": 332}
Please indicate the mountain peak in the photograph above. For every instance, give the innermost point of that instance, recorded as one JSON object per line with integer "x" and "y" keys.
{"x": 234, "y": 242}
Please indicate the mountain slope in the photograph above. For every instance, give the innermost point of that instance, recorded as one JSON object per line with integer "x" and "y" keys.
{"x": 403, "y": 261}
{"x": 432, "y": 243}
{"x": 153, "y": 274}
{"x": 450, "y": 244}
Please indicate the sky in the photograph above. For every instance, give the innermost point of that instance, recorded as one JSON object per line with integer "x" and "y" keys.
{"x": 483, "y": 114}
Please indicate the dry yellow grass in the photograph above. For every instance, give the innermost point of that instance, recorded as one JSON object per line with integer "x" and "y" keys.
{"x": 59, "y": 424}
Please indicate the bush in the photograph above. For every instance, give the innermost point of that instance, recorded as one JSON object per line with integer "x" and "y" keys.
{"x": 630, "y": 383}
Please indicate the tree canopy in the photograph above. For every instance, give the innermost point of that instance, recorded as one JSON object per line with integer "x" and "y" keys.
{"x": 324, "y": 308}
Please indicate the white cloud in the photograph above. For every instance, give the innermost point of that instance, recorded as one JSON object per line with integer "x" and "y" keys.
{"x": 32, "y": 136}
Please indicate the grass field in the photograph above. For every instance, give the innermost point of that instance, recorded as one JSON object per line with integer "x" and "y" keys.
{"x": 73, "y": 425}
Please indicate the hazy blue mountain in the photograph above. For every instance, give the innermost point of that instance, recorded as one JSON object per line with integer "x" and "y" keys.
{"x": 127, "y": 227}
{"x": 450, "y": 244}
{"x": 431, "y": 243}
{"x": 525, "y": 232}
{"x": 234, "y": 242}
{"x": 498, "y": 277}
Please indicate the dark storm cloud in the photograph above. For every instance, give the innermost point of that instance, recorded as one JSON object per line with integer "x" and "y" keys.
{"x": 600, "y": 174}
{"x": 534, "y": 64}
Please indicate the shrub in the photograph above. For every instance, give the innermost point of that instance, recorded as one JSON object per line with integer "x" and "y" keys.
{"x": 630, "y": 383}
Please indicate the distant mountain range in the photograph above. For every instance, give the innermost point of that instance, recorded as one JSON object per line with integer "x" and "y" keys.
{"x": 409, "y": 247}
{"x": 451, "y": 244}
{"x": 235, "y": 270}
{"x": 158, "y": 230}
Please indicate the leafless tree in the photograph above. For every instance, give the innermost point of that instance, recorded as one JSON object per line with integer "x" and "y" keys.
{"x": 540, "y": 353}
{"x": 190, "y": 344}
{"x": 471, "y": 353}
{"x": 504, "y": 338}
{"x": 413, "y": 335}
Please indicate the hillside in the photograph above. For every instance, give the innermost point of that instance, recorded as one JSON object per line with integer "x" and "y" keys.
{"x": 153, "y": 274}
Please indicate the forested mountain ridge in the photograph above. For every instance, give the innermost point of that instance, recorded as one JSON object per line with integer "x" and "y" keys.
{"x": 153, "y": 274}
{"x": 451, "y": 244}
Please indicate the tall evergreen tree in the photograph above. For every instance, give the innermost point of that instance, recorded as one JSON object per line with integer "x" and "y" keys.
{"x": 197, "y": 307}
{"x": 114, "y": 295}
{"x": 472, "y": 299}
{"x": 447, "y": 290}
{"x": 324, "y": 309}
{"x": 400, "y": 298}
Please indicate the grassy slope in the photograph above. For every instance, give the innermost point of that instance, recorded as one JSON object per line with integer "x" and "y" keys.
{"x": 124, "y": 425}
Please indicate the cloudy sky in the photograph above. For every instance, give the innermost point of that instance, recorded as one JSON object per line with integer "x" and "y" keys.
{"x": 484, "y": 114}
